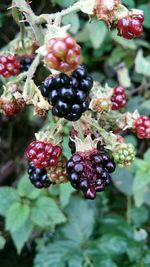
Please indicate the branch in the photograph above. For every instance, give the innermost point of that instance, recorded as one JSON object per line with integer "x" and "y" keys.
{"x": 25, "y": 8}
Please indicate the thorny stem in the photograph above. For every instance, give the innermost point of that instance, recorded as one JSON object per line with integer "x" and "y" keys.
{"x": 33, "y": 68}
{"x": 129, "y": 206}
{"x": 35, "y": 20}
{"x": 25, "y": 8}
{"x": 78, "y": 124}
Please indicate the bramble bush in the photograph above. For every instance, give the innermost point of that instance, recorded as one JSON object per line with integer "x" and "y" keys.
{"x": 75, "y": 130}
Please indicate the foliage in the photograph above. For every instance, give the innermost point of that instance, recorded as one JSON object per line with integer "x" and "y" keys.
{"x": 112, "y": 230}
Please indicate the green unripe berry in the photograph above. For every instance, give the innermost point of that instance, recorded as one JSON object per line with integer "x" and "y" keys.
{"x": 124, "y": 154}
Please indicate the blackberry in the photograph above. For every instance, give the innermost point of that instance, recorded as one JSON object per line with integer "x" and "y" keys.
{"x": 38, "y": 177}
{"x": 142, "y": 127}
{"x": 63, "y": 54}
{"x": 130, "y": 27}
{"x": 90, "y": 172}
{"x": 68, "y": 95}
{"x": 9, "y": 66}
{"x": 119, "y": 98}
{"x": 58, "y": 174}
{"x": 25, "y": 63}
{"x": 43, "y": 154}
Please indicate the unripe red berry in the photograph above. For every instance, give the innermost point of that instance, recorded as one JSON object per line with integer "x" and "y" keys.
{"x": 130, "y": 27}
{"x": 119, "y": 98}
{"x": 63, "y": 54}
{"x": 43, "y": 154}
{"x": 9, "y": 66}
{"x": 142, "y": 127}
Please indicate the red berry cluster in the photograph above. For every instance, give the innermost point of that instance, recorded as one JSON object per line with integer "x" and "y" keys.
{"x": 13, "y": 107}
{"x": 43, "y": 154}
{"x": 89, "y": 172}
{"x": 119, "y": 98}
{"x": 9, "y": 66}
{"x": 142, "y": 127}
{"x": 130, "y": 27}
{"x": 63, "y": 54}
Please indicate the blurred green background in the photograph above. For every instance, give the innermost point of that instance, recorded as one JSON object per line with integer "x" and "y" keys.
{"x": 58, "y": 228}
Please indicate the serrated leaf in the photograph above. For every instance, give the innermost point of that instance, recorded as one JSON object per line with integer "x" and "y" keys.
{"x": 2, "y": 242}
{"x": 123, "y": 180}
{"x": 8, "y": 196}
{"x": 21, "y": 236}
{"x": 66, "y": 191}
{"x": 26, "y": 189}
{"x": 112, "y": 245}
{"x": 16, "y": 216}
{"x": 47, "y": 213}
{"x": 80, "y": 213}
{"x": 57, "y": 254}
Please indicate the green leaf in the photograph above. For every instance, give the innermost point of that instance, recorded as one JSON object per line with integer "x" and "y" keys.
{"x": 47, "y": 213}
{"x": 141, "y": 181}
{"x": 57, "y": 254}
{"x": 142, "y": 65}
{"x": 139, "y": 216}
{"x": 8, "y": 196}
{"x": 105, "y": 263}
{"x": 123, "y": 180}
{"x": 80, "y": 214}
{"x": 101, "y": 30}
{"x": 66, "y": 191}
{"x": 21, "y": 236}
{"x": 72, "y": 19}
{"x": 113, "y": 245}
{"x": 129, "y": 3}
{"x": 146, "y": 10}
{"x": 26, "y": 189}
{"x": 2, "y": 242}
{"x": 16, "y": 216}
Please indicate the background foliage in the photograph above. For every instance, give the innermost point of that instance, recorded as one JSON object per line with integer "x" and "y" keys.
{"x": 58, "y": 227}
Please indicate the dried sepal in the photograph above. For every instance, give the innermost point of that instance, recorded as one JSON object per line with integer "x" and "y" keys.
{"x": 85, "y": 145}
{"x": 105, "y": 10}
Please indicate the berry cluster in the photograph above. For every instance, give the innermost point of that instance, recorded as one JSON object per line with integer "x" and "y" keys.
{"x": 12, "y": 107}
{"x": 58, "y": 174}
{"x": 124, "y": 155}
{"x": 119, "y": 98}
{"x": 130, "y": 27}
{"x": 69, "y": 95}
{"x": 63, "y": 54}
{"x": 89, "y": 172}
{"x": 142, "y": 127}
{"x": 43, "y": 154}
{"x": 38, "y": 177}
{"x": 9, "y": 66}
{"x": 25, "y": 63}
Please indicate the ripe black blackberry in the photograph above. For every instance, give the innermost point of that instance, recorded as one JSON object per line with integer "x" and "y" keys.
{"x": 38, "y": 177}
{"x": 25, "y": 63}
{"x": 69, "y": 95}
{"x": 90, "y": 172}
